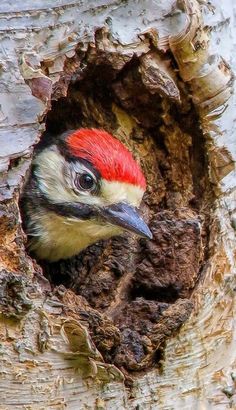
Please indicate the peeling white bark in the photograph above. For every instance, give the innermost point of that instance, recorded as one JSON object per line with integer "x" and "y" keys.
{"x": 200, "y": 361}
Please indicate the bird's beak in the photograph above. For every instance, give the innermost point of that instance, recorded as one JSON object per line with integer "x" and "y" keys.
{"x": 126, "y": 217}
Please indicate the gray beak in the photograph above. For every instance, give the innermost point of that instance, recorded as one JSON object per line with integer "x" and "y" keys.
{"x": 126, "y": 217}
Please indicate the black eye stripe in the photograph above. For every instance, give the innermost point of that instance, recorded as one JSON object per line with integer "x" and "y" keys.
{"x": 68, "y": 209}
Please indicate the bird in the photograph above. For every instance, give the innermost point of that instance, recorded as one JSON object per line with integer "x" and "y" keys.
{"x": 83, "y": 187}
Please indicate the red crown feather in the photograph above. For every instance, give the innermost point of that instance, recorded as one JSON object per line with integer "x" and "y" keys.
{"x": 107, "y": 154}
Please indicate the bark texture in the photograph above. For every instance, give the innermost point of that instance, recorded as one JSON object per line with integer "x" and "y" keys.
{"x": 150, "y": 74}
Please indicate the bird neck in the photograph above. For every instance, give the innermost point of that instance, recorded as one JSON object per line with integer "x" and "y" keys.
{"x": 62, "y": 238}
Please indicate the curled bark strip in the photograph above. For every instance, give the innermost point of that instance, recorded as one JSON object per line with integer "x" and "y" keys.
{"x": 210, "y": 79}
{"x": 158, "y": 77}
{"x": 40, "y": 84}
{"x": 209, "y": 76}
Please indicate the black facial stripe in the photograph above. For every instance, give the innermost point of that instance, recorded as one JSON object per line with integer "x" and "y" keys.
{"x": 70, "y": 209}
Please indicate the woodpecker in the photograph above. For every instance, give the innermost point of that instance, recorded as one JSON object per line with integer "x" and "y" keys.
{"x": 84, "y": 187}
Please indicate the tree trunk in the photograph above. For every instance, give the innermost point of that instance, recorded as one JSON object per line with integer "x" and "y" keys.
{"x": 128, "y": 324}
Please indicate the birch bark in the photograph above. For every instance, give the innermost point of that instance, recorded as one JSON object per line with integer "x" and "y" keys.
{"x": 38, "y": 340}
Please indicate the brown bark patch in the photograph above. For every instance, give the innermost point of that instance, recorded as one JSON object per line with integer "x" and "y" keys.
{"x": 168, "y": 266}
{"x": 144, "y": 326}
{"x": 14, "y": 295}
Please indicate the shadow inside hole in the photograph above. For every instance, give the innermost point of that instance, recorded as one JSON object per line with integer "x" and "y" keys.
{"x": 168, "y": 294}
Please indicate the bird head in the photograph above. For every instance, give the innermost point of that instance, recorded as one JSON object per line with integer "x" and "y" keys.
{"x": 87, "y": 187}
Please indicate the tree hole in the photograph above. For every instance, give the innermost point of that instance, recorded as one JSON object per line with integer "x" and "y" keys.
{"x": 141, "y": 288}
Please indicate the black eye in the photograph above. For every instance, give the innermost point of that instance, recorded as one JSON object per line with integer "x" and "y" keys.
{"x": 85, "y": 182}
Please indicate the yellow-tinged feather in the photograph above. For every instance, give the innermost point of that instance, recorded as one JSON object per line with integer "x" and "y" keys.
{"x": 61, "y": 238}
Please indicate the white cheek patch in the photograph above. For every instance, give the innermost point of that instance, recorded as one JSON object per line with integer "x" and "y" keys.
{"x": 52, "y": 175}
